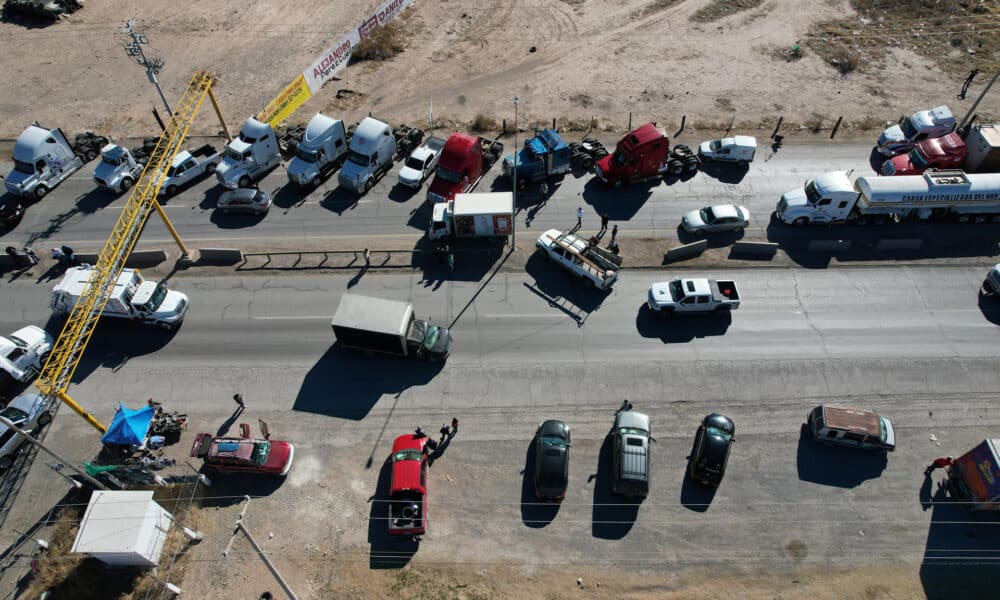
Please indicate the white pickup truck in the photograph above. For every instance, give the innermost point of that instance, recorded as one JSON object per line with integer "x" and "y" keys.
{"x": 23, "y": 353}
{"x": 189, "y": 165}
{"x": 421, "y": 162}
{"x": 693, "y": 295}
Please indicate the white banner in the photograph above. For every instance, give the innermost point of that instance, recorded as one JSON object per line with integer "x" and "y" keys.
{"x": 335, "y": 57}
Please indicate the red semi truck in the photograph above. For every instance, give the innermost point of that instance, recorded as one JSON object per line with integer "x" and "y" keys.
{"x": 644, "y": 153}
{"x": 465, "y": 159}
{"x": 979, "y": 152}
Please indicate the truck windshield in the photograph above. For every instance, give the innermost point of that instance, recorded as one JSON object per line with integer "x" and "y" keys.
{"x": 812, "y": 193}
{"x": 309, "y": 156}
{"x": 619, "y": 158}
{"x": 415, "y": 163}
{"x": 714, "y": 145}
{"x": 156, "y": 299}
{"x": 448, "y": 175}
{"x": 908, "y": 129}
{"x": 676, "y": 291}
{"x": 431, "y": 336}
{"x": 247, "y": 139}
{"x": 357, "y": 158}
{"x": 113, "y": 161}
{"x": 17, "y": 341}
{"x": 23, "y": 167}
{"x": 917, "y": 160}
{"x": 233, "y": 154}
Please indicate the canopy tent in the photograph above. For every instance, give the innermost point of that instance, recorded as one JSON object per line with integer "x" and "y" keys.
{"x": 129, "y": 427}
{"x": 123, "y": 528}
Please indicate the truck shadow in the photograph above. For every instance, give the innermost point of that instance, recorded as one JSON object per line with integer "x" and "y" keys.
{"x": 472, "y": 258}
{"x": 961, "y": 555}
{"x": 534, "y": 513}
{"x": 613, "y": 516}
{"x": 725, "y": 172}
{"x": 816, "y": 246}
{"x": 876, "y": 160}
{"x": 676, "y": 329}
{"x": 346, "y": 384}
{"x": 715, "y": 240}
{"x": 339, "y": 200}
{"x": 114, "y": 343}
{"x": 386, "y": 551}
{"x": 836, "y": 466}
{"x": 96, "y": 199}
{"x": 990, "y": 307}
{"x": 574, "y": 297}
{"x": 289, "y": 195}
{"x": 402, "y": 193}
{"x": 621, "y": 204}
{"x": 420, "y": 218}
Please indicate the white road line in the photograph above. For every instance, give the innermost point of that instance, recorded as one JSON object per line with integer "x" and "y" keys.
{"x": 527, "y": 316}
{"x": 291, "y": 317}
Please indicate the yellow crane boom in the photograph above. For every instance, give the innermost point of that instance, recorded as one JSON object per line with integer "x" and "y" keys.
{"x": 67, "y": 352}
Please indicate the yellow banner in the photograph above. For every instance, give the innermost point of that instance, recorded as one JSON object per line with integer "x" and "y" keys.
{"x": 287, "y": 102}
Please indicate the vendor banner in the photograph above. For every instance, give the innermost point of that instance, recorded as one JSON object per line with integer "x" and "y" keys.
{"x": 287, "y": 102}
{"x": 336, "y": 57}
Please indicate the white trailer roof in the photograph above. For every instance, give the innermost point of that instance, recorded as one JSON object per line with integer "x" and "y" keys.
{"x": 373, "y": 314}
{"x": 123, "y": 528}
{"x": 487, "y": 203}
{"x": 931, "y": 186}
{"x": 75, "y": 281}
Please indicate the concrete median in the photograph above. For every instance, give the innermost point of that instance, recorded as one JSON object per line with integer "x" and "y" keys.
{"x": 220, "y": 256}
{"x": 754, "y": 249}
{"x": 686, "y": 251}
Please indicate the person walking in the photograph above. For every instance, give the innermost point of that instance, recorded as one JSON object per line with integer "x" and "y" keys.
{"x": 939, "y": 463}
{"x": 604, "y": 223}
{"x": 419, "y": 433}
{"x": 454, "y": 427}
{"x": 241, "y": 405}
{"x": 68, "y": 254}
{"x": 445, "y": 431}
{"x": 614, "y": 234}
{"x": 579, "y": 217}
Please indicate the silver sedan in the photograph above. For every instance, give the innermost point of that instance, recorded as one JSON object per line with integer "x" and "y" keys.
{"x": 712, "y": 219}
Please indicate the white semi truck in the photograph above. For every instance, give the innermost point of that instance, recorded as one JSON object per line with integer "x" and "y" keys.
{"x": 43, "y": 158}
{"x": 118, "y": 170}
{"x": 832, "y": 198}
{"x": 489, "y": 214}
{"x": 322, "y": 149}
{"x": 370, "y": 156}
{"x": 132, "y": 297}
{"x": 250, "y": 156}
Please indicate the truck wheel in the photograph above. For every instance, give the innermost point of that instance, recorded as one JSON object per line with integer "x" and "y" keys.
{"x": 6, "y": 462}
{"x": 691, "y": 164}
{"x": 587, "y": 162}
{"x": 126, "y": 184}
{"x": 91, "y": 154}
{"x": 171, "y": 190}
{"x": 366, "y": 187}
{"x": 44, "y": 419}
{"x": 244, "y": 182}
{"x": 801, "y": 222}
{"x": 675, "y": 167}
{"x": 210, "y": 168}
{"x": 40, "y": 192}
{"x": 619, "y": 184}
{"x": 544, "y": 189}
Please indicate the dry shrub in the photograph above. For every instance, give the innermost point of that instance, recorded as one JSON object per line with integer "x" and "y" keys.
{"x": 381, "y": 44}
{"x": 720, "y": 9}
{"x": 483, "y": 123}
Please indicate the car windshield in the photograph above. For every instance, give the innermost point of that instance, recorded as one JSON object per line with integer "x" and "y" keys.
{"x": 14, "y": 414}
{"x": 411, "y": 454}
{"x": 631, "y": 431}
{"x": 415, "y": 163}
{"x": 909, "y": 131}
{"x": 917, "y": 160}
{"x": 551, "y": 440}
{"x": 714, "y": 145}
{"x": 309, "y": 156}
{"x": 812, "y": 193}
{"x": 718, "y": 432}
{"x": 881, "y": 429}
{"x": 448, "y": 175}
{"x": 17, "y": 341}
{"x": 619, "y": 158}
{"x": 676, "y": 291}
{"x": 431, "y": 336}
{"x": 23, "y": 167}
{"x": 707, "y": 215}
{"x": 357, "y": 158}
{"x": 156, "y": 298}
{"x": 261, "y": 450}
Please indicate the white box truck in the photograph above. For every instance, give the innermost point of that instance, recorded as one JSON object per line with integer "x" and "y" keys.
{"x": 369, "y": 157}
{"x": 43, "y": 158}
{"x": 831, "y": 198}
{"x": 983, "y": 146}
{"x": 250, "y": 156}
{"x": 132, "y": 297}
{"x": 118, "y": 170}
{"x": 323, "y": 148}
{"x": 473, "y": 215}
{"x": 387, "y": 327}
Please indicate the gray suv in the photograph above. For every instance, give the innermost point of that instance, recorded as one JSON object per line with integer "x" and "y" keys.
{"x": 29, "y": 412}
{"x": 630, "y": 466}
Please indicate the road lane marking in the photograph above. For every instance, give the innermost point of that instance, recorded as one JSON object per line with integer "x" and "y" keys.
{"x": 526, "y": 316}
{"x": 291, "y": 317}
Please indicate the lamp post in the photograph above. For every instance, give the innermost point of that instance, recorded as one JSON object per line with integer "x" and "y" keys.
{"x": 513, "y": 221}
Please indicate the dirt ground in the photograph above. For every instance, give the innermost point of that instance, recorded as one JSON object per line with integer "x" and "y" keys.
{"x": 566, "y": 59}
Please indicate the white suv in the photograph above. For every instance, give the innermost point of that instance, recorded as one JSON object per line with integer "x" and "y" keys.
{"x": 29, "y": 412}
{"x": 579, "y": 258}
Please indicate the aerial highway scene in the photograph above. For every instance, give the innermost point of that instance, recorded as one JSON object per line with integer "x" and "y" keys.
{"x": 499, "y": 299}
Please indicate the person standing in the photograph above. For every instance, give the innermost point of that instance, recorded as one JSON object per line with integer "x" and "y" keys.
{"x": 445, "y": 431}
{"x": 238, "y": 399}
{"x": 614, "y": 234}
{"x": 579, "y": 217}
{"x": 32, "y": 257}
{"x": 604, "y": 223}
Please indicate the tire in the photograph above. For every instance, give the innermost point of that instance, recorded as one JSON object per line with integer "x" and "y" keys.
{"x": 801, "y": 222}
{"x": 40, "y": 192}
{"x": 675, "y": 167}
{"x": 738, "y": 230}
{"x": 171, "y": 190}
{"x": 587, "y": 163}
{"x": 126, "y": 184}
{"x": 210, "y": 168}
{"x": 691, "y": 164}
{"x": 244, "y": 182}
{"x": 619, "y": 184}
{"x": 6, "y": 462}
{"x": 91, "y": 154}
{"x": 44, "y": 358}
{"x": 682, "y": 150}
{"x": 366, "y": 187}
{"x": 44, "y": 419}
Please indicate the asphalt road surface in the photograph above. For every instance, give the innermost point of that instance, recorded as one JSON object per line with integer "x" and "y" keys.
{"x": 918, "y": 344}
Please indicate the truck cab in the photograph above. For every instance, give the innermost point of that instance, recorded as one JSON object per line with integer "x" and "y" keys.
{"x": 43, "y": 158}
{"x": 247, "y": 158}
{"x": 829, "y": 198}
{"x": 118, "y": 170}
{"x": 23, "y": 353}
{"x": 639, "y": 155}
{"x": 945, "y": 152}
{"x": 544, "y": 155}
{"x": 460, "y": 167}
{"x": 132, "y": 297}
{"x": 693, "y": 295}
{"x": 155, "y": 304}
{"x": 369, "y": 156}
{"x": 322, "y": 149}
{"x": 919, "y": 126}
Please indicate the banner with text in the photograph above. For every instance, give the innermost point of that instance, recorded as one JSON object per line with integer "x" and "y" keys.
{"x": 290, "y": 99}
{"x": 336, "y": 56}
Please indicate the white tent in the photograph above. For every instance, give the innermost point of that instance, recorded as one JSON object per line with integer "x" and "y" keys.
{"x": 123, "y": 529}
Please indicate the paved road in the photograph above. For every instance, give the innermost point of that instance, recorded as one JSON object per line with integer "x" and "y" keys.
{"x": 915, "y": 343}
{"x": 79, "y": 214}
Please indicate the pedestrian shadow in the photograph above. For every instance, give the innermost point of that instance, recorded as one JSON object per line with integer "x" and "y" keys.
{"x": 534, "y": 513}
{"x": 613, "y": 516}
{"x": 386, "y": 551}
{"x": 228, "y": 423}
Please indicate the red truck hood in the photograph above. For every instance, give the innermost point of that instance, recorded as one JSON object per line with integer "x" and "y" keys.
{"x": 278, "y": 457}
{"x": 444, "y": 188}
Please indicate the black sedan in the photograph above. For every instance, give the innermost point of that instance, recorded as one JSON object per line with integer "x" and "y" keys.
{"x": 707, "y": 463}
{"x": 552, "y": 444}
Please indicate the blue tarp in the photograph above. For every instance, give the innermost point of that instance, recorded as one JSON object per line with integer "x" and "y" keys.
{"x": 129, "y": 426}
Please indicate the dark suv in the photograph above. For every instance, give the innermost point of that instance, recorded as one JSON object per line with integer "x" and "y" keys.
{"x": 707, "y": 463}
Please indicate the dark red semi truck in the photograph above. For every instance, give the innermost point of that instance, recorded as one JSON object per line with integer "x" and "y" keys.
{"x": 644, "y": 153}
{"x": 465, "y": 159}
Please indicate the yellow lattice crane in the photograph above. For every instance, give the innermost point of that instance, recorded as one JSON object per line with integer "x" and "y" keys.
{"x": 65, "y": 356}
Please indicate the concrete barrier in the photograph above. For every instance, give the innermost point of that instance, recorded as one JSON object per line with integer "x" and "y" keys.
{"x": 138, "y": 258}
{"x": 899, "y": 244}
{"x": 829, "y": 245}
{"x": 221, "y": 256}
{"x": 756, "y": 249}
{"x": 686, "y": 251}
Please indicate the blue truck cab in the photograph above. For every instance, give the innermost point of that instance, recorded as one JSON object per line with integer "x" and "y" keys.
{"x": 543, "y": 156}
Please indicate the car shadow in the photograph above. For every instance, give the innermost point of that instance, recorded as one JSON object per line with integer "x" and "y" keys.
{"x": 235, "y": 220}
{"x": 340, "y": 200}
{"x": 613, "y": 516}
{"x": 695, "y": 496}
{"x": 836, "y": 466}
{"x": 209, "y": 200}
{"x": 573, "y": 296}
{"x": 990, "y": 307}
{"x": 715, "y": 240}
{"x": 228, "y": 489}
{"x": 386, "y": 551}
{"x": 725, "y": 172}
{"x": 534, "y": 512}
{"x": 672, "y": 328}
{"x": 402, "y": 193}
{"x": 619, "y": 204}
{"x": 876, "y": 159}
{"x": 346, "y": 384}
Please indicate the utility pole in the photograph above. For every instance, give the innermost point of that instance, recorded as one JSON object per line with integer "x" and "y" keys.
{"x": 513, "y": 221}
{"x": 153, "y": 65}
{"x": 30, "y": 438}
{"x": 975, "y": 104}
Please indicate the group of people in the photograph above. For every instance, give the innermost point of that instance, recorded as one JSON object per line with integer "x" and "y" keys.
{"x": 434, "y": 448}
